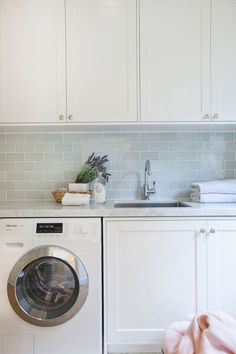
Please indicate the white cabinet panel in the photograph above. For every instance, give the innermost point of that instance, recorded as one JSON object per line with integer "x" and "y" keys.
{"x": 101, "y": 58}
{"x": 175, "y": 60}
{"x": 223, "y": 59}
{"x": 155, "y": 274}
{"x": 221, "y": 248}
{"x": 32, "y": 61}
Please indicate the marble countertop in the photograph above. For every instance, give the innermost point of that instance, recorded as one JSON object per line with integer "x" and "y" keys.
{"x": 52, "y": 209}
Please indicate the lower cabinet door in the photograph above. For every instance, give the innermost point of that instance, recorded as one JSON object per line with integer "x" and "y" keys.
{"x": 155, "y": 274}
{"x": 221, "y": 251}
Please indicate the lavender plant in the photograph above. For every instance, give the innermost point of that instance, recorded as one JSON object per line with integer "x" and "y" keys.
{"x": 91, "y": 169}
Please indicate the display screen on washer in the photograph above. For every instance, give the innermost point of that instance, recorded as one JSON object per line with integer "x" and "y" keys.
{"x": 51, "y": 228}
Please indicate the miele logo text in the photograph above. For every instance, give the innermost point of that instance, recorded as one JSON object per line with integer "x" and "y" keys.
{"x": 11, "y": 225}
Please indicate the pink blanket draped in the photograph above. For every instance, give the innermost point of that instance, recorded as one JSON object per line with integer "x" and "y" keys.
{"x": 209, "y": 333}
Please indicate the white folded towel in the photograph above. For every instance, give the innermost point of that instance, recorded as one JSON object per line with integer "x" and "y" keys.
{"x": 75, "y": 199}
{"x": 224, "y": 186}
{"x": 213, "y": 198}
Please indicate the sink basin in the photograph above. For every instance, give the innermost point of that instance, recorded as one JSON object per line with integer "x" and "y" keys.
{"x": 144, "y": 204}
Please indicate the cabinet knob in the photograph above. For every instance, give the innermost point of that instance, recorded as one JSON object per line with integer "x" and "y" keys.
{"x": 216, "y": 116}
{"x": 207, "y": 116}
{"x": 61, "y": 117}
{"x": 70, "y": 117}
{"x": 202, "y": 231}
{"x": 212, "y": 231}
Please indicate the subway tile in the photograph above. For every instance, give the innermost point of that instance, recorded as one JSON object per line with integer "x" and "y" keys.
{"x": 7, "y": 147}
{"x": 7, "y": 185}
{"x": 14, "y": 156}
{"x": 72, "y": 156}
{"x": 177, "y": 184}
{"x": 43, "y": 147}
{"x": 149, "y": 156}
{"x": 2, "y": 156}
{"x": 178, "y": 146}
{"x": 53, "y": 156}
{"x": 72, "y": 137}
{"x": 25, "y": 166}
{"x": 168, "y": 136}
{"x": 15, "y": 138}
{"x": 130, "y": 156}
{"x": 54, "y": 175}
{"x": 187, "y": 155}
{"x": 197, "y": 165}
{"x": 15, "y": 195}
{"x": 159, "y": 146}
{"x": 53, "y": 138}
{"x": 120, "y": 185}
{"x": 15, "y": 176}
{"x": 7, "y": 166}
{"x": 25, "y": 185}
{"x": 25, "y": 147}
{"x": 3, "y": 196}
{"x": 44, "y": 166}
{"x": 34, "y": 156}
{"x": 62, "y": 147}
{"x": 33, "y": 175}
{"x": 187, "y": 137}
{"x": 34, "y": 138}
{"x": 3, "y": 175}
{"x": 43, "y": 185}
{"x": 149, "y": 137}
{"x": 169, "y": 155}
{"x": 135, "y": 147}
{"x": 226, "y": 136}
{"x": 34, "y": 195}
{"x": 2, "y": 138}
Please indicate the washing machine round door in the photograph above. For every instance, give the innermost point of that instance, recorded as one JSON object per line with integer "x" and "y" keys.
{"x": 48, "y": 286}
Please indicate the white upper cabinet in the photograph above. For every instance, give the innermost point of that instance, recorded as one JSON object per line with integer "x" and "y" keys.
{"x": 101, "y": 60}
{"x": 175, "y": 60}
{"x": 224, "y": 59}
{"x": 32, "y": 61}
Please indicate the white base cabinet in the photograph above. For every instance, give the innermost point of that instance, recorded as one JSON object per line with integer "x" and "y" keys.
{"x": 155, "y": 274}
{"x": 158, "y": 271}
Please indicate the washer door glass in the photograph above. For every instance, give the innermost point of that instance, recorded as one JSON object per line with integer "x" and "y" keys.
{"x": 47, "y": 288}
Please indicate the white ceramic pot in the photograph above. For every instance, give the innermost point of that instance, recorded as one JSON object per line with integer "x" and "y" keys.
{"x": 79, "y": 187}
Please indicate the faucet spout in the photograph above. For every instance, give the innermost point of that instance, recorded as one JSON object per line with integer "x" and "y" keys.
{"x": 146, "y": 189}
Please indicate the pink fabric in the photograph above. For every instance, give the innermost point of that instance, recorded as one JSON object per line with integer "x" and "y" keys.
{"x": 209, "y": 333}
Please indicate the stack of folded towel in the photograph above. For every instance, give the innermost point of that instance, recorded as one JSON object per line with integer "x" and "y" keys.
{"x": 76, "y": 199}
{"x": 221, "y": 191}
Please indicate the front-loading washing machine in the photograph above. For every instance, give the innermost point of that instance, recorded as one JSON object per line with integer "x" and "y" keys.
{"x": 50, "y": 286}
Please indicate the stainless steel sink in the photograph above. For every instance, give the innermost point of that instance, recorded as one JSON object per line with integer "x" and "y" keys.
{"x": 144, "y": 204}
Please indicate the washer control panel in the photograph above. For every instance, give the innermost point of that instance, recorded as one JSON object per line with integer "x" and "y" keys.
{"x": 49, "y": 228}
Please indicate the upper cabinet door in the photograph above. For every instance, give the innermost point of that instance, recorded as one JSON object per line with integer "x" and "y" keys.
{"x": 101, "y": 60}
{"x": 32, "y": 61}
{"x": 224, "y": 59}
{"x": 175, "y": 60}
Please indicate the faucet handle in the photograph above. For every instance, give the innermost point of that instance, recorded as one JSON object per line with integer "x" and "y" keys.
{"x": 154, "y": 185}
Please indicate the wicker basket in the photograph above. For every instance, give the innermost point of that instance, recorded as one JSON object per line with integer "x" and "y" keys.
{"x": 58, "y": 195}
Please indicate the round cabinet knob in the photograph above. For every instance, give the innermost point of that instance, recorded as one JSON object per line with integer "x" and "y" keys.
{"x": 84, "y": 229}
{"x": 61, "y": 117}
{"x": 212, "y": 231}
{"x": 207, "y": 116}
{"x": 216, "y": 116}
{"x": 202, "y": 231}
{"x": 70, "y": 117}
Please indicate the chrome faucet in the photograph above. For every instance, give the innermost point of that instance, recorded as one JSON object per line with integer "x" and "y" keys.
{"x": 146, "y": 189}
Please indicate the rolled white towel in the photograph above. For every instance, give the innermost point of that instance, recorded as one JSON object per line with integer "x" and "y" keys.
{"x": 224, "y": 186}
{"x": 213, "y": 198}
{"x": 75, "y": 199}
